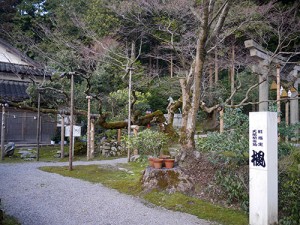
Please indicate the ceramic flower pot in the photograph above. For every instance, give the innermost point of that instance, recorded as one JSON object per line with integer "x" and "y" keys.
{"x": 157, "y": 163}
{"x": 169, "y": 163}
{"x": 164, "y": 157}
{"x": 151, "y": 163}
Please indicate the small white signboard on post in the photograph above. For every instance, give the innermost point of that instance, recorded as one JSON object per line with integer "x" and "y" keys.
{"x": 76, "y": 133}
{"x": 263, "y": 172}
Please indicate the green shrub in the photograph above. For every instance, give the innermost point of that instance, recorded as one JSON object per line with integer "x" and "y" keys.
{"x": 289, "y": 190}
{"x": 147, "y": 142}
{"x": 288, "y": 130}
{"x": 229, "y": 151}
{"x": 56, "y": 137}
{"x": 111, "y": 134}
{"x": 285, "y": 149}
{"x": 235, "y": 186}
{"x": 79, "y": 148}
{"x": 231, "y": 145}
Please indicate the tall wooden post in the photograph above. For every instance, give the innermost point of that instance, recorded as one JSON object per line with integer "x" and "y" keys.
{"x": 38, "y": 128}
{"x": 129, "y": 112}
{"x": 71, "y": 123}
{"x": 287, "y": 118}
{"x": 278, "y": 92}
{"x": 119, "y": 135}
{"x": 294, "y": 109}
{"x": 88, "y": 132}
{"x": 2, "y": 132}
{"x": 92, "y": 139}
{"x": 62, "y": 136}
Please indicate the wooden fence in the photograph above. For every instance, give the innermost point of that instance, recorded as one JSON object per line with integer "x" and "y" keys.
{"x": 21, "y": 126}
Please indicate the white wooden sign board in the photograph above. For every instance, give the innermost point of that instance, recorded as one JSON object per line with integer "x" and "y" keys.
{"x": 263, "y": 168}
{"x": 76, "y": 131}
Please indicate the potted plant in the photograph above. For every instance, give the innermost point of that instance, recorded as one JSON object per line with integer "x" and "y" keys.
{"x": 151, "y": 161}
{"x": 169, "y": 163}
{"x": 157, "y": 163}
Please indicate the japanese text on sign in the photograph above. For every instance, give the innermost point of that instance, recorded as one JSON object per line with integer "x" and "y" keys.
{"x": 258, "y": 156}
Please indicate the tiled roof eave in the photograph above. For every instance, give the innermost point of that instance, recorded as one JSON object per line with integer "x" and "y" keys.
{"x": 23, "y": 69}
{"x": 14, "y": 91}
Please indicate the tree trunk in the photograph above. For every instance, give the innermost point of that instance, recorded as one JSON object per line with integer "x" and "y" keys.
{"x": 215, "y": 112}
{"x": 186, "y": 105}
{"x": 232, "y": 72}
{"x": 172, "y": 43}
{"x": 216, "y": 67}
{"x": 211, "y": 76}
{"x": 191, "y": 94}
{"x": 172, "y": 107}
{"x": 222, "y": 121}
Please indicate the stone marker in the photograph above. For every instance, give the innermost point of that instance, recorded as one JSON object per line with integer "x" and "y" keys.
{"x": 263, "y": 164}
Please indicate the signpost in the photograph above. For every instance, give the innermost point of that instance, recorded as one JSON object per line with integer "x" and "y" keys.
{"x": 76, "y": 133}
{"x": 263, "y": 163}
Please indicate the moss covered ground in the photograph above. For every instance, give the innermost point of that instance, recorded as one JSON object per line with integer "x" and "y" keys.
{"x": 9, "y": 220}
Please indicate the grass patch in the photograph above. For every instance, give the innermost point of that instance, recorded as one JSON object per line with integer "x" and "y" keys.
{"x": 197, "y": 207}
{"x": 9, "y": 220}
{"x": 127, "y": 181}
{"x": 123, "y": 178}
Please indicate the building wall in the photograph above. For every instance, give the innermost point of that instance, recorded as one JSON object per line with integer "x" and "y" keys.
{"x": 21, "y": 126}
{"x": 7, "y": 56}
{"x": 16, "y": 71}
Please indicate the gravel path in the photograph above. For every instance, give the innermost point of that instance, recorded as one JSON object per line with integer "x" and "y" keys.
{"x": 35, "y": 197}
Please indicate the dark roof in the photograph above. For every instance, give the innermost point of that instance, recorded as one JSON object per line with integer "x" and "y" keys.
{"x": 13, "y": 90}
{"x": 22, "y": 69}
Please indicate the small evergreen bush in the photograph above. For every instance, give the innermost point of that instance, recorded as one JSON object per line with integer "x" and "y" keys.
{"x": 80, "y": 148}
{"x": 231, "y": 145}
{"x": 289, "y": 189}
{"x": 147, "y": 142}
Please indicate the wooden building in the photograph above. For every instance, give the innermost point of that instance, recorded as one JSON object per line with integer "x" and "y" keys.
{"x": 16, "y": 72}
